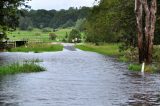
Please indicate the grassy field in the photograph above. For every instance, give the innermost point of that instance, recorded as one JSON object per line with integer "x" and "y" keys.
{"x": 106, "y": 49}
{"x": 20, "y": 68}
{"x": 37, "y": 35}
{"x": 38, "y": 47}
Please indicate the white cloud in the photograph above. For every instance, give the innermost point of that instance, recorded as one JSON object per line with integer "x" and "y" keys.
{"x": 59, "y": 4}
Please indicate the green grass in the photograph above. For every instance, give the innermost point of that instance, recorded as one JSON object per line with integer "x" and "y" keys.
{"x": 147, "y": 69}
{"x": 106, "y": 49}
{"x": 38, "y": 47}
{"x": 134, "y": 67}
{"x": 20, "y": 68}
{"x": 37, "y": 35}
{"x": 123, "y": 58}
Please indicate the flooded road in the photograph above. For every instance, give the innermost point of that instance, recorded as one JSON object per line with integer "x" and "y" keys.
{"x": 77, "y": 78}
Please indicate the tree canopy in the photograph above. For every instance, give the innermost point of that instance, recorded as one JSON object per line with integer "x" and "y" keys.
{"x": 55, "y": 19}
{"x": 114, "y": 21}
{"x": 9, "y": 14}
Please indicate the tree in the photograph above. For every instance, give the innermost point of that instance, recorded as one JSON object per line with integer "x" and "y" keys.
{"x": 25, "y": 23}
{"x": 9, "y": 15}
{"x": 80, "y": 24}
{"x": 146, "y": 21}
{"x": 52, "y": 36}
{"x": 55, "y": 19}
{"x": 111, "y": 21}
{"x": 74, "y": 35}
{"x": 69, "y": 23}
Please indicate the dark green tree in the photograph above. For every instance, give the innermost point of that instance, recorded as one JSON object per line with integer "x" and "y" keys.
{"x": 69, "y": 23}
{"x": 9, "y": 15}
{"x": 80, "y": 24}
{"x": 55, "y": 19}
{"x": 74, "y": 36}
{"x": 25, "y": 23}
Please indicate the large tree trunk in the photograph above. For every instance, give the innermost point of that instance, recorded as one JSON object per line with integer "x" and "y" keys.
{"x": 153, "y": 10}
{"x": 139, "y": 10}
{"x": 150, "y": 20}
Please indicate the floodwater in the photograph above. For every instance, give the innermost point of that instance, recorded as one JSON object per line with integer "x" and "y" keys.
{"x": 77, "y": 78}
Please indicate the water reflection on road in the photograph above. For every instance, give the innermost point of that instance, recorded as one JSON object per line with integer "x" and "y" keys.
{"x": 77, "y": 78}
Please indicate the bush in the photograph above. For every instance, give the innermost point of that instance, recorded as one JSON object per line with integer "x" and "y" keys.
{"x": 37, "y": 34}
{"x": 74, "y": 36}
{"x": 156, "y": 56}
{"x": 156, "y": 53}
{"x": 52, "y": 36}
{"x": 30, "y": 28}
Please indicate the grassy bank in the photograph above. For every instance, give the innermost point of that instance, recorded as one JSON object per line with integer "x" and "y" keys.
{"x": 148, "y": 68}
{"x": 127, "y": 56}
{"x": 105, "y": 49}
{"x": 38, "y": 47}
{"x": 20, "y": 68}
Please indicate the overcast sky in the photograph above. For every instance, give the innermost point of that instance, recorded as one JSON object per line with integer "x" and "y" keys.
{"x": 59, "y": 4}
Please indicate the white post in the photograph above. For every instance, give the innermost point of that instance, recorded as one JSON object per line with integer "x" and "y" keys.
{"x": 143, "y": 65}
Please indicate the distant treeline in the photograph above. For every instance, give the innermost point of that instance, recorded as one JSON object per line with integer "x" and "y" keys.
{"x": 52, "y": 18}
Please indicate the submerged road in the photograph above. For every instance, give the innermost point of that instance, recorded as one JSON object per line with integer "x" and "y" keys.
{"x": 77, "y": 78}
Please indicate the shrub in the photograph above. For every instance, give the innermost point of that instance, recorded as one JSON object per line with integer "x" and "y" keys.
{"x": 75, "y": 36}
{"x": 156, "y": 53}
{"x": 156, "y": 56}
{"x": 30, "y": 28}
{"x": 131, "y": 54}
{"x": 52, "y": 36}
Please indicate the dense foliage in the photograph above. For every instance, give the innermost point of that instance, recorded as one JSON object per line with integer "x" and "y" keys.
{"x": 114, "y": 21}
{"x": 53, "y": 18}
{"x": 74, "y": 36}
{"x": 9, "y": 15}
{"x": 157, "y": 31}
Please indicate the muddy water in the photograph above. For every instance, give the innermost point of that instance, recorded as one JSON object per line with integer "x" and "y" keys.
{"x": 77, "y": 78}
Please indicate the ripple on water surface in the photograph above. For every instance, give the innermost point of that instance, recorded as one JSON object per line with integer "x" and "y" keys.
{"x": 77, "y": 78}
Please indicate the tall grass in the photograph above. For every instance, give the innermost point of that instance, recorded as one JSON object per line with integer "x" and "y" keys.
{"x": 20, "y": 68}
{"x": 147, "y": 69}
{"x": 134, "y": 67}
{"x": 38, "y": 47}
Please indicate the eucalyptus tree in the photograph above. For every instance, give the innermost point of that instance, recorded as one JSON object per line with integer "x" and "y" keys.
{"x": 146, "y": 19}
